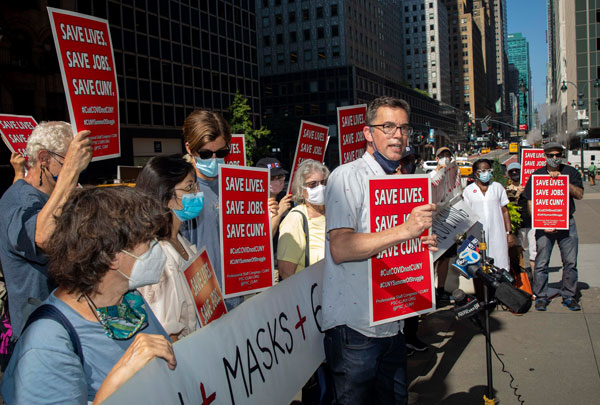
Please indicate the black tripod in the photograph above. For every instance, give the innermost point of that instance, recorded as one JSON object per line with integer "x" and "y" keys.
{"x": 487, "y": 304}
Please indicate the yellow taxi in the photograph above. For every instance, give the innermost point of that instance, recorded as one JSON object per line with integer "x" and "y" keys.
{"x": 513, "y": 147}
{"x": 465, "y": 167}
{"x": 485, "y": 150}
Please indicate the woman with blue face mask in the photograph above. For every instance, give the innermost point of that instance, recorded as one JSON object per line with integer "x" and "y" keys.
{"x": 488, "y": 200}
{"x": 104, "y": 246}
{"x": 172, "y": 181}
{"x": 207, "y": 136}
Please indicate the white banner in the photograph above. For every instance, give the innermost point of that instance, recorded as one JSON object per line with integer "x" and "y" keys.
{"x": 261, "y": 352}
{"x": 445, "y": 184}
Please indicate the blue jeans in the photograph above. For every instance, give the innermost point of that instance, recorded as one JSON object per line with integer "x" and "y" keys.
{"x": 568, "y": 243}
{"x": 366, "y": 370}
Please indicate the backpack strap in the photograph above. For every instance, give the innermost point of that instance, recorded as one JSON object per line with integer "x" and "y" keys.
{"x": 47, "y": 311}
{"x": 306, "y": 249}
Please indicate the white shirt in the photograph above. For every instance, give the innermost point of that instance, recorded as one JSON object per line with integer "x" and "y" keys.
{"x": 489, "y": 209}
{"x": 345, "y": 285}
{"x": 171, "y": 299}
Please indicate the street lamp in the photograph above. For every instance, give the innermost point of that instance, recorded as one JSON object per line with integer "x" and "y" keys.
{"x": 579, "y": 103}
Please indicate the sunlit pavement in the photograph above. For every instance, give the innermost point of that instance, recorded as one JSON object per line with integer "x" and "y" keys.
{"x": 553, "y": 355}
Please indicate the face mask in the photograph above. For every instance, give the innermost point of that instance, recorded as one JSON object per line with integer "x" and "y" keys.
{"x": 444, "y": 161}
{"x": 192, "y": 206}
{"x": 122, "y": 321}
{"x": 553, "y": 162}
{"x": 388, "y": 166}
{"x": 316, "y": 195}
{"x": 277, "y": 186}
{"x": 485, "y": 177}
{"x": 209, "y": 167}
{"x": 147, "y": 268}
{"x": 515, "y": 176}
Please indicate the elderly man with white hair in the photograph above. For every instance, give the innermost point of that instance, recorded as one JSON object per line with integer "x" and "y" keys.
{"x": 56, "y": 158}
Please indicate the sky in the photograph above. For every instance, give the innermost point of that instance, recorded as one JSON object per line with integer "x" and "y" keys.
{"x": 529, "y": 17}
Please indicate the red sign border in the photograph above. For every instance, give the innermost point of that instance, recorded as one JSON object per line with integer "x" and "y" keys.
{"x": 52, "y": 10}
{"x": 295, "y": 164}
{"x": 533, "y": 199}
{"x": 222, "y": 235}
{"x": 4, "y": 138}
{"x": 339, "y": 127}
{"x": 370, "y": 269}
{"x": 243, "y": 147}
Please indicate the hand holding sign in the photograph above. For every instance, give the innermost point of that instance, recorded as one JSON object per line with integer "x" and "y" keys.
{"x": 17, "y": 161}
{"x": 79, "y": 153}
{"x": 420, "y": 219}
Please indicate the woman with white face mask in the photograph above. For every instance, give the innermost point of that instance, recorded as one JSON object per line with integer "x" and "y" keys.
{"x": 302, "y": 232}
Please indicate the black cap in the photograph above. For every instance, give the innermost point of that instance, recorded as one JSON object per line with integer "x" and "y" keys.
{"x": 553, "y": 145}
{"x": 409, "y": 151}
{"x": 273, "y": 164}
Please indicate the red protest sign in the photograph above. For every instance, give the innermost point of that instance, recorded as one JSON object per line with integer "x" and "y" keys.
{"x": 312, "y": 142}
{"x": 15, "y": 131}
{"x": 350, "y": 122}
{"x": 87, "y": 66}
{"x": 400, "y": 277}
{"x": 549, "y": 202}
{"x": 246, "y": 251}
{"x": 203, "y": 283}
{"x": 531, "y": 160}
{"x": 237, "y": 151}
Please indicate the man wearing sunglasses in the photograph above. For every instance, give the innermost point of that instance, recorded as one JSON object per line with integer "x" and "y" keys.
{"x": 567, "y": 240}
{"x": 368, "y": 363}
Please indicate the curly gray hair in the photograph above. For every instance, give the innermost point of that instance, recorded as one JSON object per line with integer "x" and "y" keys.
{"x": 53, "y": 136}
{"x": 306, "y": 168}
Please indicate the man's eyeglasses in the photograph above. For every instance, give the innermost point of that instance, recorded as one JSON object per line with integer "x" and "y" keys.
{"x": 313, "y": 184}
{"x": 207, "y": 153}
{"x": 553, "y": 155}
{"x": 389, "y": 128}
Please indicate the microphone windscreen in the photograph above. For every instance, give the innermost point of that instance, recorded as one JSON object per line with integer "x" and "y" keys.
{"x": 458, "y": 295}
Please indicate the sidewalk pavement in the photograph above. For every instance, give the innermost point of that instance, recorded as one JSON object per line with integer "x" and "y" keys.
{"x": 554, "y": 356}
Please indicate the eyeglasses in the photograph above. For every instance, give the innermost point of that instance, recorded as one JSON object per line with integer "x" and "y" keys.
{"x": 207, "y": 153}
{"x": 153, "y": 243}
{"x": 193, "y": 187}
{"x": 54, "y": 157}
{"x": 553, "y": 155}
{"x": 389, "y": 128}
{"x": 313, "y": 184}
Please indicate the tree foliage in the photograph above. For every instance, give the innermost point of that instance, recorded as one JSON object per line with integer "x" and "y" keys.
{"x": 239, "y": 119}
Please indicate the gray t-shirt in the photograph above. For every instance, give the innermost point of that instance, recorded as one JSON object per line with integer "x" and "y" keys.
{"x": 45, "y": 369}
{"x": 345, "y": 291}
{"x": 24, "y": 264}
{"x": 204, "y": 231}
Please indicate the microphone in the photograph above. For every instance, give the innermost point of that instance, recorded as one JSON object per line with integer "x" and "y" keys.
{"x": 466, "y": 263}
{"x": 465, "y": 305}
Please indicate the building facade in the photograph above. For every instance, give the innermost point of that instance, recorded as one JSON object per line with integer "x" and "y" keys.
{"x": 171, "y": 57}
{"x": 316, "y": 55}
{"x": 518, "y": 55}
{"x": 426, "y": 48}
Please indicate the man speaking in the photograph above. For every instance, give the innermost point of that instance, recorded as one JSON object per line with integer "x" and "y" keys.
{"x": 368, "y": 363}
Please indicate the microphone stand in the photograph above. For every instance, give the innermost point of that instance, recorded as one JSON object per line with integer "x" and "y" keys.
{"x": 489, "y": 398}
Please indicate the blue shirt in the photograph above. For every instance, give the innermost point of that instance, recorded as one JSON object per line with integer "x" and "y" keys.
{"x": 203, "y": 231}
{"x": 25, "y": 265}
{"x": 45, "y": 369}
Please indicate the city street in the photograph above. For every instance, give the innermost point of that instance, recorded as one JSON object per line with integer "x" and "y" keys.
{"x": 553, "y": 356}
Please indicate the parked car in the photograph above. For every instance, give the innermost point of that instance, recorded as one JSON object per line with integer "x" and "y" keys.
{"x": 484, "y": 150}
{"x": 429, "y": 165}
{"x": 466, "y": 167}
